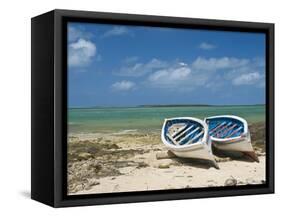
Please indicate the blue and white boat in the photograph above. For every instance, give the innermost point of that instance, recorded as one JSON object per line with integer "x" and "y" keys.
{"x": 230, "y": 133}
{"x": 187, "y": 137}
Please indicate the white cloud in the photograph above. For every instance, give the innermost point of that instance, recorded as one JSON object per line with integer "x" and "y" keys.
{"x": 117, "y": 31}
{"x": 182, "y": 64}
{"x": 252, "y": 73}
{"x": 155, "y": 64}
{"x": 74, "y": 34}
{"x": 81, "y": 52}
{"x": 258, "y": 62}
{"x": 178, "y": 77}
{"x": 218, "y": 63}
{"x": 137, "y": 69}
{"x": 212, "y": 73}
{"x": 129, "y": 60}
{"x": 123, "y": 85}
{"x": 169, "y": 77}
{"x": 206, "y": 46}
{"x": 247, "y": 79}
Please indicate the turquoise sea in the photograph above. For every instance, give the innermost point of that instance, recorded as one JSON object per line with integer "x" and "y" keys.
{"x": 98, "y": 120}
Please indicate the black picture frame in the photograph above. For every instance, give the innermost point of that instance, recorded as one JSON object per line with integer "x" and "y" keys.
{"x": 49, "y": 103}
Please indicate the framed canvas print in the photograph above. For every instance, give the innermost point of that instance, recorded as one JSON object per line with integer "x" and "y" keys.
{"x": 131, "y": 108}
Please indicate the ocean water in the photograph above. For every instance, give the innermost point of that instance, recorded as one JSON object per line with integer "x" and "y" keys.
{"x": 99, "y": 120}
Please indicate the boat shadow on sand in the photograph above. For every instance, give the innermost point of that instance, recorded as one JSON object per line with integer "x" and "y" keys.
{"x": 193, "y": 162}
{"x": 223, "y": 156}
{"x": 197, "y": 163}
{"x": 220, "y": 156}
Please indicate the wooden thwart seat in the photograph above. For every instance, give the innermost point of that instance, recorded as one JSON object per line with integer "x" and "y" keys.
{"x": 189, "y": 135}
{"x": 172, "y": 139}
{"x": 195, "y": 137}
{"x": 183, "y": 132}
{"x": 217, "y": 127}
{"x": 179, "y": 131}
{"x": 221, "y": 129}
{"x": 225, "y": 133}
{"x": 235, "y": 131}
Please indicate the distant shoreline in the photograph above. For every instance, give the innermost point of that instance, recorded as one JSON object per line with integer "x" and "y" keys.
{"x": 162, "y": 106}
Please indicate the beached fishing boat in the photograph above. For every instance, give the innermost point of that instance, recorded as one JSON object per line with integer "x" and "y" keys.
{"x": 231, "y": 133}
{"x": 187, "y": 137}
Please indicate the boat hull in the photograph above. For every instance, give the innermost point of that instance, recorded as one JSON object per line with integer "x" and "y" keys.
{"x": 199, "y": 150}
{"x": 237, "y": 144}
{"x": 241, "y": 143}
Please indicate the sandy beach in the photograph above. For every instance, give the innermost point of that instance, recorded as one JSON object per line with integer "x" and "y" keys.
{"x": 129, "y": 161}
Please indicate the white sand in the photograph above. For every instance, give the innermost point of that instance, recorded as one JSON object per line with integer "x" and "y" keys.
{"x": 186, "y": 175}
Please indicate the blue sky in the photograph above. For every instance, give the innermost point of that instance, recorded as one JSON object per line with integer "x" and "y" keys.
{"x": 118, "y": 65}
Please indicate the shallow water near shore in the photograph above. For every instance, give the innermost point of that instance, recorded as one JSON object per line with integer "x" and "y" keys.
{"x": 118, "y": 120}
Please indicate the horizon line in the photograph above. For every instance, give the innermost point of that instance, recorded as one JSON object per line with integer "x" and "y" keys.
{"x": 165, "y": 105}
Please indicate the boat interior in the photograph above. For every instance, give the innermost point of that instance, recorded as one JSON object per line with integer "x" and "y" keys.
{"x": 224, "y": 127}
{"x": 183, "y": 131}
